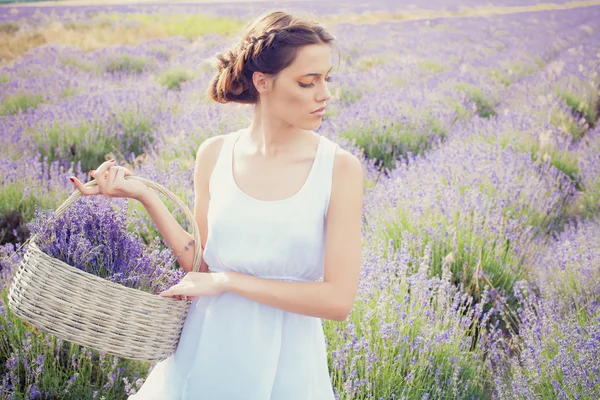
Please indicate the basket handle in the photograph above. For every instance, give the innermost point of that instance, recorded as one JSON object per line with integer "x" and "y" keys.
{"x": 152, "y": 185}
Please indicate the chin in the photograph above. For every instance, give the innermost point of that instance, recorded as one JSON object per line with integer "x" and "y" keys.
{"x": 310, "y": 125}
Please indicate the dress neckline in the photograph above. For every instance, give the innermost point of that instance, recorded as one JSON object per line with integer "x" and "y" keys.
{"x": 292, "y": 197}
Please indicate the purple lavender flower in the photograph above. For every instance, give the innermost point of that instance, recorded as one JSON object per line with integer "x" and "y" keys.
{"x": 93, "y": 235}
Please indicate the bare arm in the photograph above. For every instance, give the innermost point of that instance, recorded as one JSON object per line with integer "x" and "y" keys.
{"x": 173, "y": 234}
{"x": 334, "y": 297}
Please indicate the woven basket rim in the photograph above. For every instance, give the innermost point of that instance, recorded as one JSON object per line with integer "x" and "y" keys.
{"x": 36, "y": 251}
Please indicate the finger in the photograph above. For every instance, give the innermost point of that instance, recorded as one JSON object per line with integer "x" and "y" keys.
{"x": 119, "y": 176}
{"x": 112, "y": 175}
{"x": 181, "y": 288}
{"x": 93, "y": 174}
{"x": 104, "y": 167}
{"x": 86, "y": 191}
{"x": 173, "y": 295}
{"x": 169, "y": 292}
{"x": 99, "y": 174}
{"x": 128, "y": 172}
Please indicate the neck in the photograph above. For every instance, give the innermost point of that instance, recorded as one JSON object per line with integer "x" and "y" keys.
{"x": 269, "y": 135}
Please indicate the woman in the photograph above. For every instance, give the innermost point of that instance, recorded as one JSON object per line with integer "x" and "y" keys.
{"x": 279, "y": 209}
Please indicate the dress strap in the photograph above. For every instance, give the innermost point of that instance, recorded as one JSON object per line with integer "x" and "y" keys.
{"x": 326, "y": 164}
{"x": 222, "y": 166}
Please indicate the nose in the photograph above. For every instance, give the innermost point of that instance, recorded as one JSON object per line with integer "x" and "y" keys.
{"x": 324, "y": 94}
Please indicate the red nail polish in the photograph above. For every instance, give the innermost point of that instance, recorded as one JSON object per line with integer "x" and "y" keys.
{"x": 72, "y": 180}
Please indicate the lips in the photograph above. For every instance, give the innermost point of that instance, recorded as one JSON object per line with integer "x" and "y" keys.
{"x": 319, "y": 110}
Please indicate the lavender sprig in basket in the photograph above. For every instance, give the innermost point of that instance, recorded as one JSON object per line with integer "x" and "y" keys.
{"x": 72, "y": 285}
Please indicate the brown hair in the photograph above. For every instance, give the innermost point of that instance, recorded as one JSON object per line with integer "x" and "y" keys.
{"x": 269, "y": 44}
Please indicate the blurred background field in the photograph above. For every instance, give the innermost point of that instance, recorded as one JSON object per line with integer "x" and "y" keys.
{"x": 477, "y": 123}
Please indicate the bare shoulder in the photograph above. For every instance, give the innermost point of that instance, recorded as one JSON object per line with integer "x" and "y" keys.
{"x": 346, "y": 166}
{"x": 207, "y": 154}
{"x": 347, "y": 185}
{"x": 210, "y": 147}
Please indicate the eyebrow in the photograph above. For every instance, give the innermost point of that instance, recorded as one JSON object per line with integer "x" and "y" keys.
{"x": 315, "y": 74}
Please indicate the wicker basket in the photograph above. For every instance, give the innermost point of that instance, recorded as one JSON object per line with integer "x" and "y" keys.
{"x": 90, "y": 311}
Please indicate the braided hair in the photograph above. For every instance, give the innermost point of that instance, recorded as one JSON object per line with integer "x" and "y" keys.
{"x": 269, "y": 45}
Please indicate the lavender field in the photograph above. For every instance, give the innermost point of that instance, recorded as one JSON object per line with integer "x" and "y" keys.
{"x": 480, "y": 140}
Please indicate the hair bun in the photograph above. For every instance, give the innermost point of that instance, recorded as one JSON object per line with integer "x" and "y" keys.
{"x": 225, "y": 60}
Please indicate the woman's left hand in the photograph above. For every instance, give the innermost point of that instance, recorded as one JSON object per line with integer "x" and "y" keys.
{"x": 196, "y": 284}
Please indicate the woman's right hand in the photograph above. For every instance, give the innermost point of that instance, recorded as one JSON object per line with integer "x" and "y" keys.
{"x": 110, "y": 182}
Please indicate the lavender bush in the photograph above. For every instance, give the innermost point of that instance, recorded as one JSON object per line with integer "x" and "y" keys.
{"x": 483, "y": 203}
{"x": 589, "y": 173}
{"x": 28, "y": 183}
{"x": 557, "y": 352}
{"x": 410, "y": 335}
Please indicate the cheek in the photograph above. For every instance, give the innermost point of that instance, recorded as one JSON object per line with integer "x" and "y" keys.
{"x": 294, "y": 102}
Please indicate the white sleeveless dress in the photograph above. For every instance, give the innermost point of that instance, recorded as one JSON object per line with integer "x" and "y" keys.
{"x": 235, "y": 348}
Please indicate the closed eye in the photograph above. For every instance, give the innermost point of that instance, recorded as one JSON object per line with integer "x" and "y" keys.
{"x": 307, "y": 85}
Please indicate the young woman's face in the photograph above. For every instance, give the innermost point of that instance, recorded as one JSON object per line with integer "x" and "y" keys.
{"x": 301, "y": 88}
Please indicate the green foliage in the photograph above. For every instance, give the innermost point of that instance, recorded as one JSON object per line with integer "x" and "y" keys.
{"x": 500, "y": 76}
{"x": 189, "y": 26}
{"x": 366, "y": 63}
{"x": 20, "y": 102}
{"x": 511, "y": 71}
{"x": 433, "y": 66}
{"x": 12, "y": 198}
{"x": 387, "y": 143}
{"x": 561, "y": 160}
{"x": 84, "y": 65}
{"x": 73, "y": 142}
{"x": 461, "y": 112}
{"x": 68, "y": 91}
{"x": 579, "y": 107}
{"x": 347, "y": 95}
{"x": 174, "y": 77}
{"x": 590, "y": 200}
{"x": 482, "y": 101}
{"x": 567, "y": 123}
{"x": 478, "y": 260}
{"x": 126, "y": 63}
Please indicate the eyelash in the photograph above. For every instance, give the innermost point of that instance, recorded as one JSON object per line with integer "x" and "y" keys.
{"x": 328, "y": 79}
